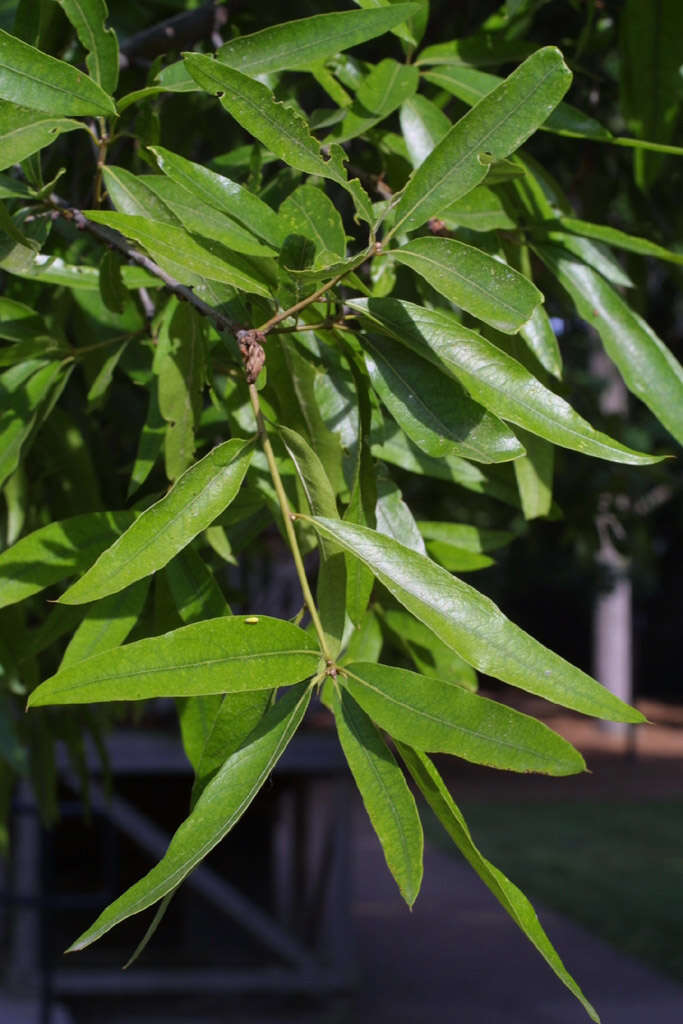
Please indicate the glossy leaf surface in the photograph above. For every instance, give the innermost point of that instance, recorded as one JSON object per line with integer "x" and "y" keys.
{"x": 298, "y": 45}
{"x": 473, "y": 280}
{"x": 387, "y": 799}
{"x": 433, "y": 409}
{"x": 55, "y": 552}
{"x": 436, "y": 715}
{"x": 495, "y": 379}
{"x": 88, "y": 18}
{"x": 33, "y": 79}
{"x": 192, "y": 504}
{"x": 506, "y": 892}
{"x": 221, "y": 805}
{"x": 279, "y": 128}
{"x": 473, "y": 626}
{"x": 648, "y": 367}
{"x": 497, "y": 126}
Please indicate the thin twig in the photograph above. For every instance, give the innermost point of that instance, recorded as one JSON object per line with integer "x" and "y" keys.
{"x": 114, "y": 240}
{"x": 287, "y": 518}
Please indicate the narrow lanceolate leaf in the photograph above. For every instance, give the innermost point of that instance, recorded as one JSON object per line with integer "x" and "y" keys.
{"x": 24, "y": 132}
{"x": 387, "y": 799}
{"x": 506, "y": 892}
{"x": 614, "y": 237}
{"x": 473, "y": 625}
{"x": 471, "y": 85}
{"x": 309, "y": 211}
{"x": 33, "y": 79}
{"x": 539, "y": 335}
{"x": 226, "y": 655}
{"x": 649, "y": 369}
{"x": 534, "y": 474}
{"x": 165, "y": 528}
{"x": 88, "y": 17}
{"x": 385, "y": 88}
{"x": 473, "y": 280}
{"x": 423, "y": 126}
{"x": 495, "y": 379}
{"x": 168, "y": 244}
{"x": 23, "y": 412}
{"x": 435, "y": 715}
{"x": 220, "y": 806}
{"x": 237, "y": 716}
{"x": 497, "y": 126}
{"x": 298, "y": 45}
{"x": 201, "y": 218}
{"x": 278, "y": 127}
{"x": 56, "y": 552}
{"x": 106, "y": 624}
{"x": 222, "y": 194}
{"x": 433, "y": 409}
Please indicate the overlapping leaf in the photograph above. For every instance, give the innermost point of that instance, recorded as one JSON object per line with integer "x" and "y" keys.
{"x": 473, "y": 626}
{"x": 436, "y": 715}
{"x": 220, "y": 806}
{"x": 35, "y": 80}
{"x": 497, "y": 126}
{"x": 165, "y": 528}
{"x": 495, "y": 379}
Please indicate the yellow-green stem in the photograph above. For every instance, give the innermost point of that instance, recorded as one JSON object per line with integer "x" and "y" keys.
{"x": 287, "y": 518}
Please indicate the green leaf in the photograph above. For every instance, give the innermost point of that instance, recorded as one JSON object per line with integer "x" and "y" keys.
{"x": 220, "y": 806}
{"x": 280, "y": 128}
{"x": 9, "y": 227}
{"x": 649, "y": 369}
{"x": 130, "y": 194}
{"x": 594, "y": 254}
{"x": 473, "y": 280}
{"x": 394, "y": 518}
{"x": 165, "y": 528}
{"x": 508, "y": 895}
{"x": 321, "y": 501}
{"x": 55, "y": 552}
{"x": 481, "y": 49}
{"x": 237, "y": 716}
{"x": 650, "y": 74}
{"x": 495, "y": 379}
{"x": 194, "y": 588}
{"x": 310, "y": 212}
{"x": 384, "y": 89}
{"x": 540, "y": 337}
{"x": 222, "y": 194}
{"x": 180, "y": 364}
{"x": 106, "y": 624}
{"x": 23, "y": 410}
{"x": 433, "y": 409}
{"x": 386, "y": 797}
{"x": 230, "y": 654}
{"x": 470, "y": 86}
{"x": 619, "y": 239}
{"x": 435, "y": 715}
{"x": 466, "y": 536}
{"x": 392, "y": 446}
{"x": 112, "y": 289}
{"x": 431, "y": 656}
{"x": 423, "y": 126}
{"x": 150, "y": 442}
{"x": 32, "y": 79}
{"x": 473, "y": 626}
{"x": 534, "y": 475}
{"x": 200, "y": 218}
{"x": 174, "y": 247}
{"x": 498, "y": 125}
{"x": 88, "y": 17}
{"x": 480, "y": 210}
{"x": 298, "y": 45}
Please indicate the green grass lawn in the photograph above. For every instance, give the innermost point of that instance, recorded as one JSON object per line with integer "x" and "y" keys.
{"x": 616, "y": 867}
